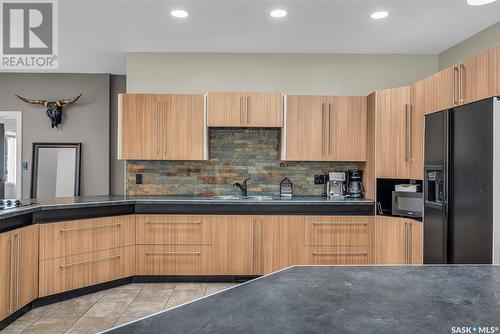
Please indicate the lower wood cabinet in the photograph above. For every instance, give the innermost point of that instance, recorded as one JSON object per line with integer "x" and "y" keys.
{"x": 18, "y": 269}
{"x": 195, "y": 245}
{"x": 398, "y": 241}
{"x": 78, "y": 271}
{"x": 283, "y": 241}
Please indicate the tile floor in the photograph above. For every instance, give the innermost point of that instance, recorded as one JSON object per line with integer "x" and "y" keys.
{"x": 105, "y": 309}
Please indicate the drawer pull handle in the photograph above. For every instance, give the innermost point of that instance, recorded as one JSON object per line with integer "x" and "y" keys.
{"x": 340, "y": 253}
{"x": 88, "y": 228}
{"x": 187, "y": 223}
{"x": 340, "y": 223}
{"x": 90, "y": 261}
{"x": 173, "y": 253}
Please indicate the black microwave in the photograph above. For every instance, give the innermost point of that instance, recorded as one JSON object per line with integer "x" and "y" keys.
{"x": 407, "y": 204}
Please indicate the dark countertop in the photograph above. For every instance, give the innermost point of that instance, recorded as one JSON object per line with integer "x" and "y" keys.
{"x": 200, "y": 205}
{"x": 342, "y": 299}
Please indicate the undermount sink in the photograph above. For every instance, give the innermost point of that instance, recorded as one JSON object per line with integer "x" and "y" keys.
{"x": 234, "y": 197}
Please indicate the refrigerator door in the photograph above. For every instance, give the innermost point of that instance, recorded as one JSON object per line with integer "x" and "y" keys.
{"x": 435, "y": 188}
{"x": 471, "y": 183}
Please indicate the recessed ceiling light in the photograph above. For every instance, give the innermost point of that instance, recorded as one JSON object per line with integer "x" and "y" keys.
{"x": 278, "y": 13}
{"x": 479, "y": 2}
{"x": 180, "y": 13}
{"x": 379, "y": 15}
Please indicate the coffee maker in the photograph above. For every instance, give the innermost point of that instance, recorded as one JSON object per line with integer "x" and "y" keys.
{"x": 336, "y": 186}
{"x": 355, "y": 187}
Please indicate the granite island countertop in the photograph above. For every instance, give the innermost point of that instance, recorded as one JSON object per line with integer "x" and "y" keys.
{"x": 342, "y": 299}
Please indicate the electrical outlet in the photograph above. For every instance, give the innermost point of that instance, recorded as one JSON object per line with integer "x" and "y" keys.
{"x": 138, "y": 178}
{"x": 319, "y": 179}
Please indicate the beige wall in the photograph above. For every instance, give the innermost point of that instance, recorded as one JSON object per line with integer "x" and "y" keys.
{"x": 86, "y": 121}
{"x": 471, "y": 46}
{"x": 288, "y": 73}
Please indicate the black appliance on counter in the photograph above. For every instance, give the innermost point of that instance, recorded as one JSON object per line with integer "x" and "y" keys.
{"x": 458, "y": 184}
{"x": 355, "y": 187}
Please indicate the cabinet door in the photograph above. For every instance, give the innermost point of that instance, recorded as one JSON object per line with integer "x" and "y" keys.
{"x": 140, "y": 122}
{"x": 416, "y": 247}
{"x": 477, "y": 77}
{"x": 392, "y": 139}
{"x": 496, "y": 69}
{"x": 443, "y": 89}
{"x": 306, "y": 129}
{"x": 27, "y": 248}
{"x": 348, "y": 128}
{"x": 263, "y": 110}
{"x": 184, "y": 130}
{"x": 6, "y": 272}
{"x": 390, "y": 240}
{"x": 280, "y": 242}
{"x": 419, "y": 103}
{"x": 226, "y": 109}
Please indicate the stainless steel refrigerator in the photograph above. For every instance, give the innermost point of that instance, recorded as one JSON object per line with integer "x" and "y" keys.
{"x": 459, "y": 184}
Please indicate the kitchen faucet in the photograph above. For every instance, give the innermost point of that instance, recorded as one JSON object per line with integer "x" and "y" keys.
{"x": 243, "y": 187}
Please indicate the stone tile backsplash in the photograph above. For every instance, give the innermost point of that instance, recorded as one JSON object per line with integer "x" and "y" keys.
{"x": 235, "y": 154}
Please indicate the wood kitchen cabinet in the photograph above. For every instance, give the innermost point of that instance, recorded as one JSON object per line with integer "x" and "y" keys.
{"x": 256, "y": 110}
{"x": 398, "y": 241}
{"x": 194, "y": 245}
{"x": 18, "y": 269}
{"x": 477, "y": 77}
{"x": 325, "y": 128}
{"x": 162, "y": 127}
{"x": 393, "y": 133}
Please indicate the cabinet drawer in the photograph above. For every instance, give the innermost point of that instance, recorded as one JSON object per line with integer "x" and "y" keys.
{"x": 329, "y": 255}
{"x": 87, "y": 235}
{"x": 172, "y": 230}
{"x": 339, "y": 231}
{"x": 173, "y": 260}
{"x": 78, "y": 271}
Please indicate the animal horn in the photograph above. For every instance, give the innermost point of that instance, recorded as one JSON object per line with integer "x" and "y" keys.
{"x": 65, "y": 102}
{"x": 43, "y": 102}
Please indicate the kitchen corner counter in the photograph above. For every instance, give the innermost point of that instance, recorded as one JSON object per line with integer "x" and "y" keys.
{"x": 59, "y": 209}
{"x": 342, "y": 299}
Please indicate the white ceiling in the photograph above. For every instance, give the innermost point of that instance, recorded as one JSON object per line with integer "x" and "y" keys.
{"x": 96, "y": 35}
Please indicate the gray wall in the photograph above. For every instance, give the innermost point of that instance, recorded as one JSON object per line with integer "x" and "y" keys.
{"x": 290, "y": 73}
{"x": 87, "y": 121}
{"x": 117, "y": 167}
{"x": 471, "y": 46}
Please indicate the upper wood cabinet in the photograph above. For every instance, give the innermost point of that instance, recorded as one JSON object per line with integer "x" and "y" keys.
{"x": 399, "y": 132}
{"x": 162, "y": 127}
{"x": 325, "y": 128}
{"x": 256, "y": 110}
{"x": 18, "y": 269}
{"x": 477, "y": 77}
{"x": 393, "y": 133}
{"x": 398, "y": 241}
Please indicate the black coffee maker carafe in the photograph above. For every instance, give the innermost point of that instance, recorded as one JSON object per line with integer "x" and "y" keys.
{"x": 355, "y": 187}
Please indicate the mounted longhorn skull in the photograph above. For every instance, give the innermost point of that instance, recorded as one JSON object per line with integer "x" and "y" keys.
{"x": 54, "y": 109}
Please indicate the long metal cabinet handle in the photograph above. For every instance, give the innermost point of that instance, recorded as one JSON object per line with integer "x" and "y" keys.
{"x": 158, "y": 120}
{"x": 463, "y": 82}
{"x": 410, "y": 134}
{"x": 173, "y": 253}
{"x": 248, "y": 109}
{"x": 62, "y": 266}
{"x": 18, "y": 271}
{"x": 410, "y": 244}
{"x": 323, "y": 121}
{"x": 11, "y": 275}
{"x": 329, "y": 128}
{"x": 176, "y": 222}
{"x": 340, "y": 223}
{"x": 242, "y": 121}
{"x": 89, "y": 228}
{"x": 456, "y": 72}
{"x": 406, "y": 132}
{"x": 340, "y": 253}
